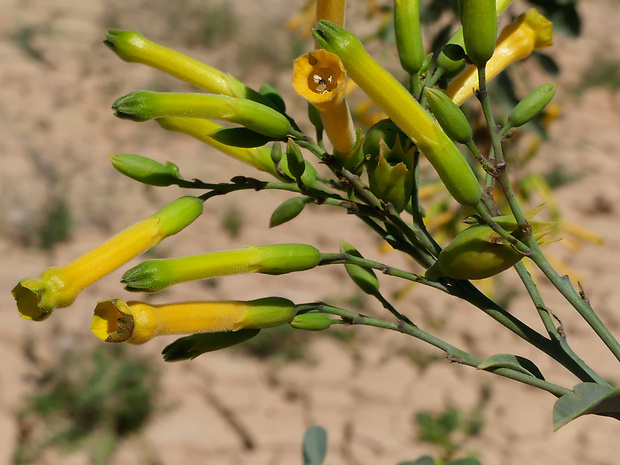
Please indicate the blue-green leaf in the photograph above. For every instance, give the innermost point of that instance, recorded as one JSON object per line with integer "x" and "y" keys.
{"x": 240, "y": 137}
{"x": 514, "y": 362}
{"x": 315, "y": 445}
{"x": 586, "y": 398}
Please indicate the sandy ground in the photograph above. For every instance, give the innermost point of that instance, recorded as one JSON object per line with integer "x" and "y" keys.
{"x": 56, "y": 130}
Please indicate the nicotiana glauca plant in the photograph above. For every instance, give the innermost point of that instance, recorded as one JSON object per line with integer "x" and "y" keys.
{"x": 374, "y": 175}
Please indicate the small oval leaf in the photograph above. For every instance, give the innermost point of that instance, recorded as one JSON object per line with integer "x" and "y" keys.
{"x": 514, "y": 362}
{"x": 240, "y": 137}
{"x": 586, "y": 398}
{"x": 315, "y": 445}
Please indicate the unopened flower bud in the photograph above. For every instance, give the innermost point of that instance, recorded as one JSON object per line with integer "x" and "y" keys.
{"x": 479, "y": 20}
{"x": 531, "y": 105}
{"x": 143, "y": 105}
{"x": 408, "y": 35}
{"x": 311, "y": 322}
{"x": 287, "y": 210}
{"x": 155, "y": 275}
{"x": 143, "y": 169}
{"x": 449, "y": 116}
{"x": 364, "y": 278}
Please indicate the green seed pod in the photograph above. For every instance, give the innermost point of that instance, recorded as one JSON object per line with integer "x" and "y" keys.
{"x": 475, "y": 253}
{"x": 390, "y": 175}
{"x": 143, "y": 169}
{"x": 143, "y": 105}
{"x": 408, "y": 35}
{"x": 365, "y": 278}
{"x": 479, "y": 20}
{"x": 531, "y": 105}
{"x": 287, "y": 210}
{"x": 311, "y": 321}
{"x": 449, "y": 116}
{"x": 190, "y": 347}
{"x": 295, "y": 159}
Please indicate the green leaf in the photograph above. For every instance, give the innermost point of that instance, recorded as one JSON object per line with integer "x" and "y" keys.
{"x": 587, "y": 398}
{"x": 190, "y": 347}
{"x": 315, "y": 445}
{"x": 274, "y": 97}
{"x": 424, "y": 460}
{"x": 240, "y": 137}
{"x": 514, "y": 362}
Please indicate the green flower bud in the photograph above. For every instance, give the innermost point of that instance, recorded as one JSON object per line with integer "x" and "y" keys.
{"x": 449, "y": 116}
{"x": 276, "y": 153}
{"x": 479, "y": 20}
{"x": 155, "y": 275}
{"x": 531, "y": 105}
{"x": 311, "y": 321}
{"x": 296, "y": 162}
{"x": 408, "y": 35}
{"x": 144, "y": 105}
{"x": 365, "y": 278}
{"x": 190, "y": 347}
{"x": 287, "y": 210}
{"x": 143, "y": 169}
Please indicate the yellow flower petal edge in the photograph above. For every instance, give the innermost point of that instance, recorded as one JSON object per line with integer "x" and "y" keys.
{"x": 530, "y": 31}
{"x": 59, "y": 286}
{"x": 320, "y": 78}
{"x": 137, "y": 322}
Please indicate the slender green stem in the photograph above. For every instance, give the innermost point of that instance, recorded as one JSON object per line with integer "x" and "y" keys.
{"x": 348, "y": 259}
{"x": 453, "y": 353}
{"x": 554, "y": 333}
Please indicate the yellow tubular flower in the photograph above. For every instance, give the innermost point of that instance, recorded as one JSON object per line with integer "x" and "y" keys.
{"x": 136, "y": 322}
{"x": 134, "y": 47}
{"x": 531, "y": 31}
{"x": 331, "y": 10}
{"x": 59, "y": 286}
{"x": 320, "y": 78}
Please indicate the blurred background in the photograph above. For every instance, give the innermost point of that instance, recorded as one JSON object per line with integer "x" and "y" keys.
{"x": 384, "y": 398}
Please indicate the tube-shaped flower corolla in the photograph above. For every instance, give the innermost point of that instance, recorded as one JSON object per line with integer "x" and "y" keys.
{"x": 137, "y": 322}
{"x": 143, "y": 105}
{"x": 155, "y": 275}
{"x": 404, "y": 111}
{"x": 134, "y": 47}
{"x": 530, "y": 31}
{"x": 319, "y": 77}
{"x": 59, "y": 286}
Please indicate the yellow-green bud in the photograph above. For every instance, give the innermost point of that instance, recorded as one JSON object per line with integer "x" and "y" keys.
{"x": 364, "y": 278}
{"x": 479, "y": 20}
{"x": 155, "y": 275}
{"x": 296, "y": 162}
{"x": 531, "y": 105}
{"x": 408, "y": 35}
{"x": 143, "y": 169}
{"x": 143, "y": 105}
{"x": 190, "y": 347}
{"x": 390, "y": 175}
{"x": 449, "y": 116}
{"x": 311, "y": 321}
{"x": 287, "y": 210}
